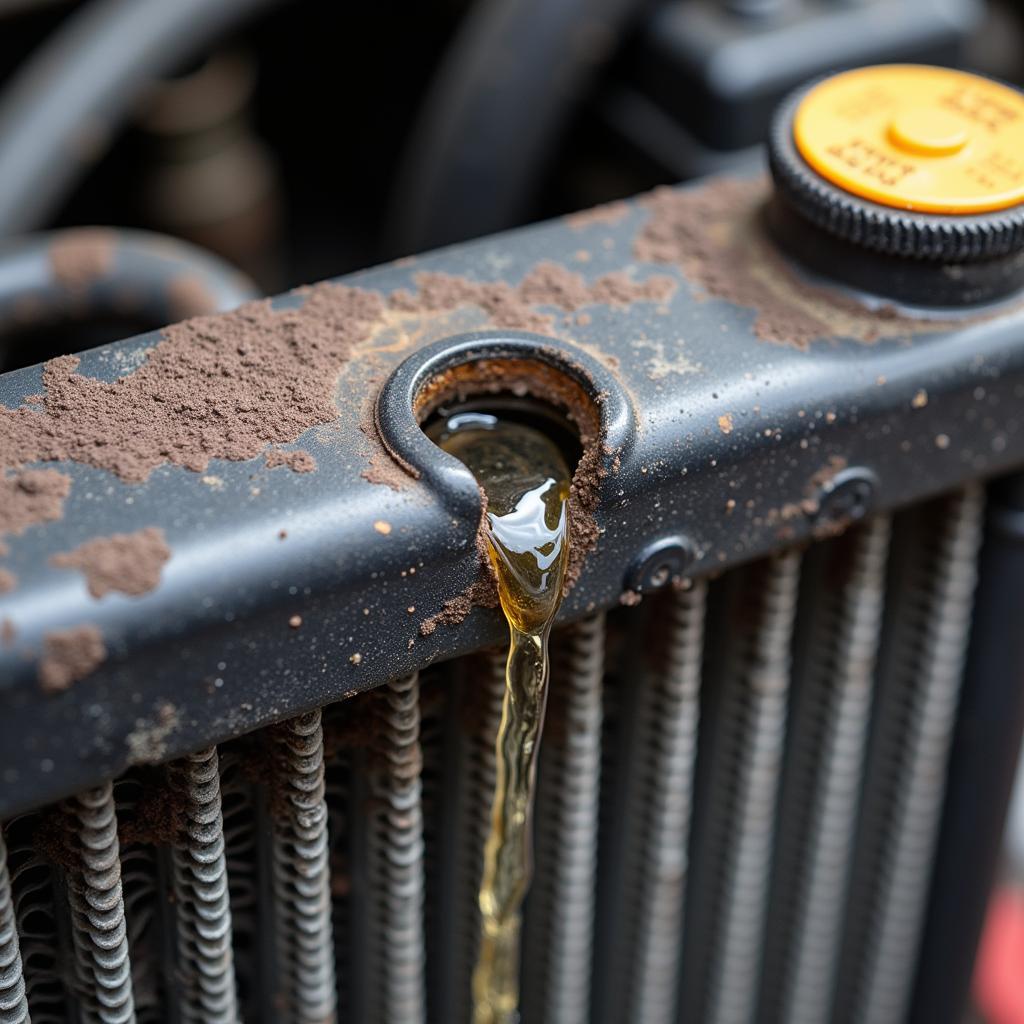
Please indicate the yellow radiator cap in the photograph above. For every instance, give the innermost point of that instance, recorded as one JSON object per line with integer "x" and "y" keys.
{"x": 917, "y": 138}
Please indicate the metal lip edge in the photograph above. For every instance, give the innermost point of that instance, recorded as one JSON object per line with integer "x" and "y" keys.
{"x": 400, "y": 430}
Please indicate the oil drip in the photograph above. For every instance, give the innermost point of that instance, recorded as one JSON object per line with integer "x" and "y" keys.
{"x": 526, "y": 480}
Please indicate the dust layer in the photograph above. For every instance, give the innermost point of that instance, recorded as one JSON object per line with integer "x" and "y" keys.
{"x": 297, "y": 460}
{"x": 228, "y": 386}
{"x": 28, "y": 497}
{"x": 716, "y": 235}
{"x": 215, "y": 387}
{"x": 129, "y": 563}
{"x": 514, "y": 306}
{"x": 69, "y": 655}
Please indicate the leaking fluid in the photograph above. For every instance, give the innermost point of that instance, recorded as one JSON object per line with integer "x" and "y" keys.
{"x": 526, "y": 480}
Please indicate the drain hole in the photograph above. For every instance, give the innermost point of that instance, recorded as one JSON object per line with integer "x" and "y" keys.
{"x": 512, "y": 409}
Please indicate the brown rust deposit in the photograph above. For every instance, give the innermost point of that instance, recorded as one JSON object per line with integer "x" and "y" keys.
{"x": 29, "y": 497}
{"x": 129, "y": 563}
{"x": 8, "y": 581}
{"x": 297, "y": 460}
{"x": 216, "y": 387}
{"x": 514, "y": 306}
{"x": 69, "y": 656}
{"x": 716, "y": 235}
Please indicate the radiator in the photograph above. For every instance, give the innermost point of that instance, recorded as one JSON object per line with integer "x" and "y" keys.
{"x": 268, "y": 800}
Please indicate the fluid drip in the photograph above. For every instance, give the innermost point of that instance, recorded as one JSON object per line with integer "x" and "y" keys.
{"x": 526, "y": 480}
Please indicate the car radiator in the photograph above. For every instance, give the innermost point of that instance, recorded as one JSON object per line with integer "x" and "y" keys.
{"x": 768, "y": 784}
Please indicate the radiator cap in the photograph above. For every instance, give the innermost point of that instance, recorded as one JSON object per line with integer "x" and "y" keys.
{"x": 908, "y": 160}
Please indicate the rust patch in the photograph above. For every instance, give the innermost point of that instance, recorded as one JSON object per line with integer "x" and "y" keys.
{"x": 55, "y": 838}
{"x": 129, "y": 563}
{"x": 455, "y": 609}
{"x": 382, "y": 526}
{"x": 147, "y": 742}
{"x": 220, "y": 386}
{"x": 8, "y": 581}
{"x": 384, "y": 467}
{"x": 160, "y": 816}
{"x": 30, "y": 497}
{"x": 8, "y": 633}
{"x": 607, "y": 215}
{"x": 82, "y": 256}
{"x": 512, "y": 307}
{"x": 69, "y": 656}
{"x": 716, "y": 236}
{"x": 297, "y": 460}
{"x": 725, "y": 423}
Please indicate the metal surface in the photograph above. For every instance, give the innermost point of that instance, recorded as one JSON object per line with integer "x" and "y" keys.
{"x": 738, "y": 786}
{"x": 558, "y": 934}
{"x": 697, "y": 790}
{"x": 396, "y": 988}
{"x": 920, "y": 669}
{"x": 645, "y": 866}
{"x": 97, "y": 908}
{"x": 206, "y": 961}
{"x": 13, "y": 1005}
{"x": 844, "y": 583}
{"x": 355, "y": 886}
{"x": 460, "y": 725}
{"x": 213, "y": 641}
{"x": 302, "y": 893}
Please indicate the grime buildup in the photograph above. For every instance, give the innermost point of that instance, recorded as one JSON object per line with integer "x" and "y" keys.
{"x": 526, "y": 481}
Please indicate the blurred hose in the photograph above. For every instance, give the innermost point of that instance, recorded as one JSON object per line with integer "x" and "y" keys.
{"x": 492, "y": 117}
{"x": 61, "y": 109}
{"x": 102, "y": 274}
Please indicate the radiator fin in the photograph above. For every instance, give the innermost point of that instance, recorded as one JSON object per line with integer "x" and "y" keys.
{"x": 559, "y": 920}
{"x": 740, "y": 778}
{"x": 98, "y": 906}
{"x": 659, "y": 715}
{"x": 13, "y": 1002}
{"x": 302, "y": 893}
{"x": 44, "y": 947}
{"x": 146, "y": 808}
{"x": 928, "y": 622}
{"x": 738, "y": 799}
{"x": 245, "y": 859}
{"x": 469, "y": 784}
{"x": 205, "y": 967}
{"x": 395, "y": 856}
{"x": 840, "y": 617}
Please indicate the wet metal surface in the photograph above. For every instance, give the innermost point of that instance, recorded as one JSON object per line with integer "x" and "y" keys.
{"x": 730, "y": 444}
